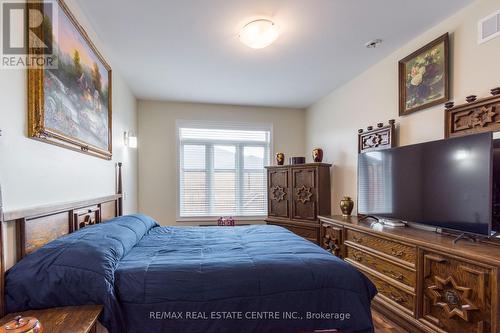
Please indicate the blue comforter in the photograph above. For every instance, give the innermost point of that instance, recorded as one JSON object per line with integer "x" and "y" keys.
{"x": 194, "y": 279}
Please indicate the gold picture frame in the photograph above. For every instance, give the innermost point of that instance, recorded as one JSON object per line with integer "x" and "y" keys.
{"x": 424, "y": 77}
{"x": 87, "y": 129}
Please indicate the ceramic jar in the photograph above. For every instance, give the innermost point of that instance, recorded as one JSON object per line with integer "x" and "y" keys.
{"x": 346, "y": 206}
{"x": 317, "y": 155}
{"x": 280, "y": 159}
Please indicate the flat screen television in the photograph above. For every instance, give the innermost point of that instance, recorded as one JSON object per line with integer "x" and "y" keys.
{"x": 446, "y": 183}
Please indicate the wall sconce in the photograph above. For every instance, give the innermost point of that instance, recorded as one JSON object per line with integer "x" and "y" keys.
{"x": 130, "y": 139}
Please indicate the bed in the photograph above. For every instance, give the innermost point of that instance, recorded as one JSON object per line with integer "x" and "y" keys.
{"x": 194, "y": 279}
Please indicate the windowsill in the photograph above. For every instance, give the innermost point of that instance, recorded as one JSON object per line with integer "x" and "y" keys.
{"x": 214, "y": 219}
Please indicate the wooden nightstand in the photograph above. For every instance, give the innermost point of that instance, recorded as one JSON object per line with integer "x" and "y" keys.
{"x": 74, "y": 319}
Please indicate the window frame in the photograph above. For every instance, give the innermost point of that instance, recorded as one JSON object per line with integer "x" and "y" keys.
{"x": 238, "y": 158}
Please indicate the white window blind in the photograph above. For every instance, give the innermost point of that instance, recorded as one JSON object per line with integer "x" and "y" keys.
{"x": 221, "y": 169}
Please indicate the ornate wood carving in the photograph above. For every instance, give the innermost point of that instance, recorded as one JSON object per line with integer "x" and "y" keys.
{"x": 382, "y": 137}
{"x": 278, "y": 183}
{"x": 304, "y": 194}
{"x": 305, "y": 201}
{"x": 278, "y": 193}
{"x": 332, "y": 239}
{"x": 453, "y": 298}
{"x": 476, "y": 116}
{"x": 456, "y": 294}
{"x": 86, "y": 216}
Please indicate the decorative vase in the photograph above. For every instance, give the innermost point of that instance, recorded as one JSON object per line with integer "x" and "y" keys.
{"x": 280, "y": 158}
{"x": 346, "y": 206}
{"x": 317, "y": 155}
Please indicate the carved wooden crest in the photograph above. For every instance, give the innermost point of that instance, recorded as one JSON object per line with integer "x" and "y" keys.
{"x": 381, "y": 137}
{"x": 278, "y": 193}
{"x": 304, "y": 194}
{"x": 452, "y": 298}
{"x": 475, "y": 116}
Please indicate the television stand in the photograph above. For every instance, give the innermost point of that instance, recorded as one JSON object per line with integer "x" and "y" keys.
{"x": 465, "y": 236}
{"x": 423, "y": 279}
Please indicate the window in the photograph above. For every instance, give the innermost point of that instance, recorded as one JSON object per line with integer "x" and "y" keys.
{"x": 221, "y": 169}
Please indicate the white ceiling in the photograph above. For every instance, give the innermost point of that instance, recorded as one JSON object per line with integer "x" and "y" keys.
{"x": 188, "y": 50}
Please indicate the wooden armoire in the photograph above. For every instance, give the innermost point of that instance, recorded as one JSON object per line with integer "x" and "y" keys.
{"x": 297, "y": 194}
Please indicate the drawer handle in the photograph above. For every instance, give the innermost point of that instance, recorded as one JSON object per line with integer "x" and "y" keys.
{"x": 396, "y": 298}
{"x": 397, "y": 253}
{"x": 397, "y": 276}
{"x": 357, "y": 239}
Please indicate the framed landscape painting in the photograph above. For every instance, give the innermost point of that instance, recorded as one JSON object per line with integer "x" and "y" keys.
{"x": 424, "y": 77}
{"x": 69, "y": 104}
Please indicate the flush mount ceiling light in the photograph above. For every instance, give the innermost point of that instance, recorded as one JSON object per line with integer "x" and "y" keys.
{"x": 259, "y": 33}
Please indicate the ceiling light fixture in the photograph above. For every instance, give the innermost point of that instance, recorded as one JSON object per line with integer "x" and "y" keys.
{"x": 259, "y": 33}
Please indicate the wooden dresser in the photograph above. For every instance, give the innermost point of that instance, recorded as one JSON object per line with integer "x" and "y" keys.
{"x": 297, "y": 194}
{"x": 425, "y": 282}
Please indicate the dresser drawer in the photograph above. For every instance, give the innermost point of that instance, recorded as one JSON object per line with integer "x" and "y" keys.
{"x": 394, "y": 249}
{"x": 397, "y": 296}
{"x": 392, "y": 271}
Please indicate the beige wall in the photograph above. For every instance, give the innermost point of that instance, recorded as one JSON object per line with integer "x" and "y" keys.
{"x": 158, "y": 152}
{"x": 372, "y": 97}
{"x": 33, "y": 173}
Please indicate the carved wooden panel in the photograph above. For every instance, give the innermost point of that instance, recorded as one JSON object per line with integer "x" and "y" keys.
{"x": 382, "y": 137}
{"x": 332, "y": 239}
{"x": 304, "y": 205}
{"x": 86, "y": 216}
{"x": 278, "y": 198}
{"x": 475, "y": 116}
{"x": 398, "y": 251}
{"x": 457, "y": 295}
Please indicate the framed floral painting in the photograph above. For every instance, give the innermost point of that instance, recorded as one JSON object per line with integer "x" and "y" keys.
{"x": 69, "y": 104}
{"x": 424, "y": 77}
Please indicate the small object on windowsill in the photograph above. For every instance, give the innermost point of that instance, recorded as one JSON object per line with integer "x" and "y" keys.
{"x": 297, "y": 160}
{"x": 22, "y": 324}
{"x": 225, "y": 221}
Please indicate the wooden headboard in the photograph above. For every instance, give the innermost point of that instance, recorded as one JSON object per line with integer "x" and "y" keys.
{"x": 35, "y": 227}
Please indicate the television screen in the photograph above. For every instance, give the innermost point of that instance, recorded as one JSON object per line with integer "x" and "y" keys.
{"x": 445, "y": 183}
